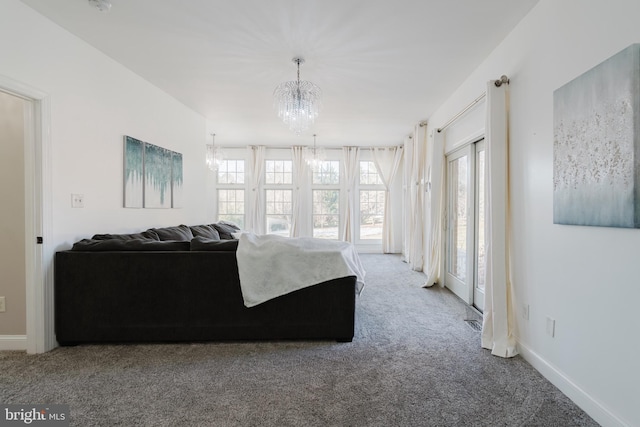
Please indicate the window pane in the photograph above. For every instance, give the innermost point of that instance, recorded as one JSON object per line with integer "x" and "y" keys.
{"x": 458, "y": 230}
{"x": 369, "y": 174}
{"x": 371, "y": 214}
{"x": 480, "y": 250}
{"x": 231, "y": 206}
{"x": 278, "y": 172}
{"x": 231, "y": 172}
{"x": 326, "y": 213}
{"x": 278, "y": 211}
{"x": 327, "y": 172}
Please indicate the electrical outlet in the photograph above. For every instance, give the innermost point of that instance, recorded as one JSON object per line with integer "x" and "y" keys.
{"x": 551, "y": 327}
{"x": 77, "y": 200}
{"x": 3, "y": 307}
{"x": 525, "y": 311}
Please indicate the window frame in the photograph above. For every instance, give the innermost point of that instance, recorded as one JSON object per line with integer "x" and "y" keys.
{"x": 367, "y": 157}
{"x": 285, "y": 186}
{"x": 327, "y": 187}
{"x": 225, "y": 186}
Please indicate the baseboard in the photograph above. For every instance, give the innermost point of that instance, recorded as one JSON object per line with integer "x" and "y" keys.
{"x": 587, "y": 403}
{"x": 13, "y": 342}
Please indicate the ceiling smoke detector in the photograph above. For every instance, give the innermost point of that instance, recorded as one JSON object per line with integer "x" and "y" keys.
{"x": 101, "y": 5}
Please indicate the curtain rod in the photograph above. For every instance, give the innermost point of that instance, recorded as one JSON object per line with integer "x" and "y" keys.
{"x": 288, "y": 147}
{"x": 464, "y": 110}
{"x": 502, "y": 80}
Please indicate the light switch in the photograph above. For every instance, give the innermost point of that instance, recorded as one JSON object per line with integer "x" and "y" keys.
{"x": 77, "y": 200}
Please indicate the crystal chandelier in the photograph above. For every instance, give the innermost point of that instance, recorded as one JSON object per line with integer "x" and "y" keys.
{"x": 297, "y": 102}
{"x": 315, "y": 156}
{"x": 215, "y": 155}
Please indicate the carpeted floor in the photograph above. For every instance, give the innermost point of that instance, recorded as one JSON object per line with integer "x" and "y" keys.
{"x": 413, "y": 362}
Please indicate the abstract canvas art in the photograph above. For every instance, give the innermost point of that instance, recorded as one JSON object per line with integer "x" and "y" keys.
{"x": 157, "y": 177}
{"x": 133, "y": 172}
{"x": 176, "y": 180}
{"x": 152, "y": 175}
{"x": 596, "y": 157}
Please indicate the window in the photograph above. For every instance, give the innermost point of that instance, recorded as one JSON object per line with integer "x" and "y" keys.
{"x": 327, "y": 173}
{"x": 231, "y": 172}
{"x": 279, "y": 172}
{"x": 372, "y": 195}
{"x": 369, "y": 174}
{"x": 278, "y": 211}
{"x": 231, "y": 194}
{"x": 231, "y": 206}
{"x": 278, "y": 196}
{"x": 326, "y": 200}
{"x": 326, "y": 214}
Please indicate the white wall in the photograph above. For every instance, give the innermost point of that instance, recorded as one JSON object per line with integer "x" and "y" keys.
{"x": 12, "y": 262}
{"x": 94, "y": 102}
{"x": 586, "y": 278}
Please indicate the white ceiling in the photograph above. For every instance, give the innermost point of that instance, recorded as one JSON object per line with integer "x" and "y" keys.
{"x": 383, "y": 65}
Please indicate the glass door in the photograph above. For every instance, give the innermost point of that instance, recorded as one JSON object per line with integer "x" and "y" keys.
{"x": 480, "y": 258}
{"x": 459, "y": 247}
{"x": 465, "y": 211}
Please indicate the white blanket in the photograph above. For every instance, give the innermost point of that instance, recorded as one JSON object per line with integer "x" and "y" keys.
{"x": 270, "y": 266}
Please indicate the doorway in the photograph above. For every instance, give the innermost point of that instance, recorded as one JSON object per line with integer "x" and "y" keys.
{"x": 13, "y": 318}
{"x": 38, "y": 247}
{"x": 465, "y": 216}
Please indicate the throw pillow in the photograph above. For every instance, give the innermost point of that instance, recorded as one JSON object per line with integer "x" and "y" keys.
{"x": 206, "y": 231}
{"x": 145, "y": 235}
{"x": 181, "y": 233}
{"x": 226, "y": 229}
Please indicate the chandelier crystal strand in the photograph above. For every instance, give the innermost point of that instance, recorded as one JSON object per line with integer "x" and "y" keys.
{"x": 315, "y": 156}
{"x": 297, "y": 102}
{"x": 215, "y": 155}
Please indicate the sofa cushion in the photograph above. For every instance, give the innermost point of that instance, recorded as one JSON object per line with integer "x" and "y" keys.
{"x": 130, "y": 245}
{"x": 202, "y": 244}
{"x": 226, "y": 229}
{"x": 180, "y": 232}
{"x": 145, "y": 235}
{"x": 206, "y": 231}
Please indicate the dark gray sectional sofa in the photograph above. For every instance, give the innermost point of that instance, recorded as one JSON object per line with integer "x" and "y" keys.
{"x": 181, "y": 284}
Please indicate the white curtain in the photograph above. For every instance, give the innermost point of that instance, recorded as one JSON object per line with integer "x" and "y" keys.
{"x": 498, "y": 325}
{"x": 406, "y": 199}
{"x": 414, "y": 170}
{"x": 387, "y": 161}
{"x": 256, "y": 216}
{"x": 348, "y": 209}
{"x": 300, "y": 223}
{"x": 435, "y": 209}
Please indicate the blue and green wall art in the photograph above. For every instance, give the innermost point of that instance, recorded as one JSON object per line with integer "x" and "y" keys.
{"x": 152, "y": 175}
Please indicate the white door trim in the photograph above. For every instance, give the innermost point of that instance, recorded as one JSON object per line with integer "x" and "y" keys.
{"x": 38, "y": 215}
{"x": 463, "y": 288}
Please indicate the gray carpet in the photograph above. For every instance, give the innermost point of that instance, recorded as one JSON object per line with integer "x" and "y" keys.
{"x": 413, "y": 362}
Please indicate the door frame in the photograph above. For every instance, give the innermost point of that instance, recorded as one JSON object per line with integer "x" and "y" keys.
{"x": 465, "y": 292}
{"x": 38, "y": 215}
{"x": 478, "y": 301}
{"x": 463, "y": 289}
